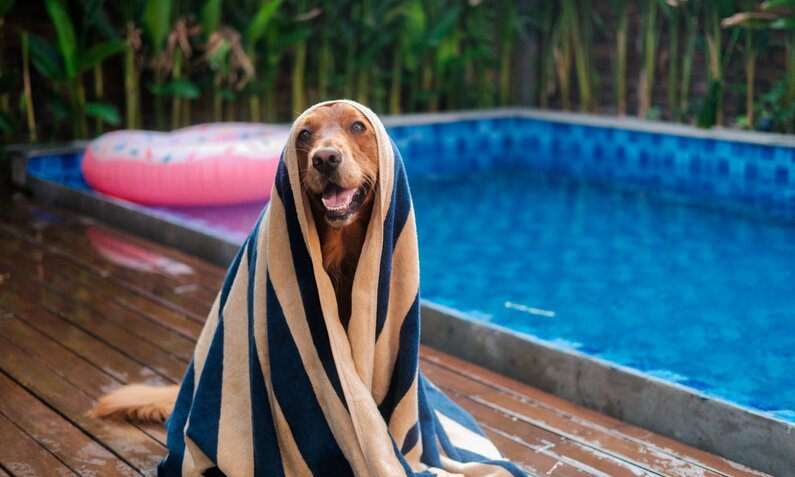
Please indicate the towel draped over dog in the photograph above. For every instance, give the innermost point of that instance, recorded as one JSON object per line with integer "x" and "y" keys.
{"x": 278, "y": 387}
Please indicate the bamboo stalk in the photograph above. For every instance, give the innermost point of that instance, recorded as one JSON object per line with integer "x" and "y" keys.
{"x": 621, "y": 59}
{"x": 364, "y": 76}
{"x": 324, "y": 68}
{"x": 546, "y": 58}
{"x": 78, "y": 103}
{"x": 99, "y": 93}
{"x": 750, "y": 73}
{"x": 427, "y": 80}
{"x": 563, "y": 67}
{"x": 397, "y": 79}
{"x": 578, "y": 49}
{"x": 132, "y": 101}
{"x": 789, "y": 92}
{"x": 649, "y": 59}
{"x": 673, "y": 64}
{"x": 218, "y": 100}
{"x": 687, "y": 64}
{"x": 299, "y": 65}
{"x": 30, "y": 114}
{"x": 713, "y": 38}
{"x": 176, "y": 101}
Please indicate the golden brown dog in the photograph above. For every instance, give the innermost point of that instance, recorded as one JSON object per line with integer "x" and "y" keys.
{"x": 338, "y": 166}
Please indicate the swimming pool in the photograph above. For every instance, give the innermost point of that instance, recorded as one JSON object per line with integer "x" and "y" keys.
{"x": 667, "y": 253}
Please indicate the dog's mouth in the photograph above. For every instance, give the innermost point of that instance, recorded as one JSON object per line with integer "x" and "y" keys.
{"x": 341, "y": 203}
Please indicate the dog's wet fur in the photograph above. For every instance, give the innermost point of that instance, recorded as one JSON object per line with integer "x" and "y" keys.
{"x": 338, "y": 168}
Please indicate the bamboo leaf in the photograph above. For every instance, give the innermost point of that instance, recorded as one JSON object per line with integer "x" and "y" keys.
{"x": 97, "y": 53}
{"x": 67, "y": 41}
{"x": 262, "y": 20}
{"x": 443, "y": 26}
{"x": 156, "y": 20}
{"x": 182, "y": 88}
{"x": 96, "y": 16}
{"x": 105, "y": 111}
{"x": 46, "y": 59}
{"x": 211, "y": 16}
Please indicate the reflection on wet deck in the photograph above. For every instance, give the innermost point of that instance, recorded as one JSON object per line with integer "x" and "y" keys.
{"x": 85, "y": 308}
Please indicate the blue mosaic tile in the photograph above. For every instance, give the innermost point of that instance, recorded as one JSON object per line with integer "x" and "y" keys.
{"x": 697, "y": 166}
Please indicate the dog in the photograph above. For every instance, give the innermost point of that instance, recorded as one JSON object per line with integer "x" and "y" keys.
{"x": 338, "y": 166}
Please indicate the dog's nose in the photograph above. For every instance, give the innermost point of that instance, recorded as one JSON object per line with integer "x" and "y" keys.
{"x": 327, "y": 159}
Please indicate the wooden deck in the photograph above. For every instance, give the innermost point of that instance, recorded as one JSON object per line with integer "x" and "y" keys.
{"x": 84, "y": 309}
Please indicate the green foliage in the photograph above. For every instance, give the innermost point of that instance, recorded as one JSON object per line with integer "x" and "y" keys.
{"x": 104, "y": 111}
{"x": 708, "y": 114}
{"x": 157, "y": 21}
{"x": 181, "y": 88}
{"x": 46, "y": 59}
{"x": 262, "y": 22}
{"x": 67, "y": 41}
{"x": 266, "y": 59}
{"x": 211, "y": 16}
{"x": 97, "y": 54}
{"x": 775, "y": 113}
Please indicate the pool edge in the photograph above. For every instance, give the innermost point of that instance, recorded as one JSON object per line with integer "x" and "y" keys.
{"x": 736, "y": 433}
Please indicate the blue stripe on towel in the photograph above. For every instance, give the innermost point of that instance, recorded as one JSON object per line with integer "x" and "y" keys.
{"x": 429, "y": 427}
{"x": 405, "y": 369}
{"x": 206, "y": 409}
{"x": 172, "y": 464}
{"x": 305, "y": 276}
{"x": 267, "y": 461}
{"x": 291, "y": 384}
{"x": 395, "y": 220}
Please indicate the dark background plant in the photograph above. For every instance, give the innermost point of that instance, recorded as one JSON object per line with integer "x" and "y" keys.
{"x": 81, "y": 67}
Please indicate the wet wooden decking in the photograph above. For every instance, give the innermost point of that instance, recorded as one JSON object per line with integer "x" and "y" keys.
{"x": 85, "y": 308}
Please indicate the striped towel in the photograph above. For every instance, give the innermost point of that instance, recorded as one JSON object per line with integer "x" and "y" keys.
{"x": 277, "y": 387}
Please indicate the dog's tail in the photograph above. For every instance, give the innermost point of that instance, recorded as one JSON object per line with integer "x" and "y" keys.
{"x": 137, "y": 403}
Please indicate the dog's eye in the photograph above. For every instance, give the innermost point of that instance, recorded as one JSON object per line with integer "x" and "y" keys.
{"x": 304, "y": 135}
{"x": 357, "y": 127}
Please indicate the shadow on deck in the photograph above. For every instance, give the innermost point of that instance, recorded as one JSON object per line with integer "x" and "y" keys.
{"x": 85, "y": 309}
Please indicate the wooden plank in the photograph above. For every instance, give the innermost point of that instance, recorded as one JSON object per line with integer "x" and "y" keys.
{"x": 105, "y": 327}
{"x": 83, "y": 300}
{"x": 112, "y": 262}
{"x": 176, "y": 315}
{"x": 69, "y": 366}
{"x": 571, "y": 420}
{"x": 526, "y": 411}
{"x": 23, "y": 456}
{"x": 68, "y": 443}
{"x": 93, "y": 350}
{"x": 126, "y": 441}
{"x": 539, "y": 440}
{"x": 532, "y": 463}
{"x": 81, "y": 234}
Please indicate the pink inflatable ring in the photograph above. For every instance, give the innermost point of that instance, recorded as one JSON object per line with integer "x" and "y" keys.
{"x": 208, "y": 164}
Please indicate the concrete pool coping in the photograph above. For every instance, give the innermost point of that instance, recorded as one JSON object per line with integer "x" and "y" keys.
{"x": 740, "y": 434}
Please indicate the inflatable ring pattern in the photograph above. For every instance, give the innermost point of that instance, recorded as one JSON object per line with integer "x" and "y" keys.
{"x": 207, "y": 164}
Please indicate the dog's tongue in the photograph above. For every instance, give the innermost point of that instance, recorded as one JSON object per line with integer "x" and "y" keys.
{"x": 336, "y": 196}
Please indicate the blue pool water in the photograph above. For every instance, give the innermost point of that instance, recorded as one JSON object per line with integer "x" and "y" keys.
{"x": 690, "y": 293}
{"x": 670, "y": 254}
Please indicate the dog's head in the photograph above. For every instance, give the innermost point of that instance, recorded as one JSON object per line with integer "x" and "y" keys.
{"x": 338, "y": 161}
